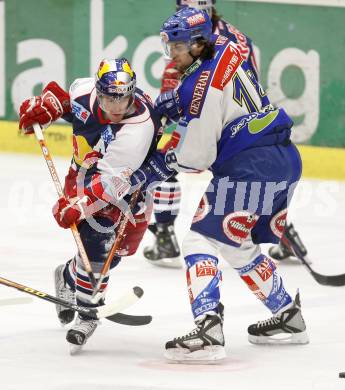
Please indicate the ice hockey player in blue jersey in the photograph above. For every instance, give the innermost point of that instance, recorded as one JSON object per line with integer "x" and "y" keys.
{"x": 227, "y": 125}
{"x": 114, "y": 131}
{"x": 165, "y": 250}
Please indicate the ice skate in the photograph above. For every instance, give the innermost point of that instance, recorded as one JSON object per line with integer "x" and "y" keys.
{"x": 287, "y": 327}
{"x": 288, "y": 246}
{"x": 63, "y": 291}
{"x": 204, "y": 344}
{"x": 165, "y": 251}
{"x": 80, "y": 332}
{"x": 281, "y": 252}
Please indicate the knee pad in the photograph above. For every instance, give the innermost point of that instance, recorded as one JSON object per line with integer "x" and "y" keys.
{"x": 238, "y": 257}
{"x": 197, "y": 243}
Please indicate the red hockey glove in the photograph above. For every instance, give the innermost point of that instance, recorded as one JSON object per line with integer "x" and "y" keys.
{"x": 68, "y": 211}
{"x": 45, "y": 109}
{"x": 170, "y": 78}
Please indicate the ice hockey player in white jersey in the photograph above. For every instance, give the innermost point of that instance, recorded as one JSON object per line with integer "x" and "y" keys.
{"x": 165, "y": 250}
{"x": 227, "y": 125}
{"x": 114, "y": 130}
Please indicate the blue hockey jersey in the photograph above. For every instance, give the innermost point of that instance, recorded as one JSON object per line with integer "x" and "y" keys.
{"x": 243, "y": 43}
{"x": 223, "y": 111}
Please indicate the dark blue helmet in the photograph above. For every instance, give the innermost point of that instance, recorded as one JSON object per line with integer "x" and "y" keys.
{"x": 187, "y": 25}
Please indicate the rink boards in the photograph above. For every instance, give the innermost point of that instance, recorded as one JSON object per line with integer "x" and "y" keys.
{"x": 318, "y": 162}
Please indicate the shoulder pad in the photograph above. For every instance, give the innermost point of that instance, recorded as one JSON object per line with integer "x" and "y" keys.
{"x": 81, "y": 87}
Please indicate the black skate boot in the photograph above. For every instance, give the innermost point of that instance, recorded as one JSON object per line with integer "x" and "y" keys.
{"x": 287, "y": 327}
{"x": 165, "y": 251}
{"x": 280, "y": 252}
{"x": 290, "y": 246}
{"x": 204, "y": 344}
{"x": 63, "y": 291}
{"x": 80, "y": 332}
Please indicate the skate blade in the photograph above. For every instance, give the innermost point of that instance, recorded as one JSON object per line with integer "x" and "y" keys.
{"x": 167, "y": 262}
{"x": 280, "y": 339}
{"x": 208, "y": 355}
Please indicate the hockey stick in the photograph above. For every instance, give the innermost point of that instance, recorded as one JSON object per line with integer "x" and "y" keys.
{"x": 57, "y": 183}
{"x": 109, "y": 311}
{"x": 120, "y": 318}
{"x": 119, "y": 237}
{"x": 292, "y": 240}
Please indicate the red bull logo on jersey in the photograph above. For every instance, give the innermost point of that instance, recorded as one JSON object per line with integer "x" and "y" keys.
{"x": 84, "y": 155}
{"x": 196, "y": 19}
{"x": 199, "y": 91}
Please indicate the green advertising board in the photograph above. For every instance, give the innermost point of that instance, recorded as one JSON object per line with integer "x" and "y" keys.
{"x": 300, "y": 50}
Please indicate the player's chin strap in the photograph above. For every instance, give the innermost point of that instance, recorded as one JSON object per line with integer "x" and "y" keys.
{"x": 192, "y": 68}
{"x": 193, "y": 56}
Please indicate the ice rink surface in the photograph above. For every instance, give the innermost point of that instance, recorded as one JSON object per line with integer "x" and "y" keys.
{"x": 34, "y": 354}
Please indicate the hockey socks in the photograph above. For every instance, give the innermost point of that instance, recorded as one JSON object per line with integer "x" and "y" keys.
{"x": 203, "y": 279}
{"x": 261, "y": 277}
{"x": 167, "y": 198}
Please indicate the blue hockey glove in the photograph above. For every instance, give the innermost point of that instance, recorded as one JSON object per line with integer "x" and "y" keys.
{"x": 153, "y": 170}
{"x": 167, "y": 105}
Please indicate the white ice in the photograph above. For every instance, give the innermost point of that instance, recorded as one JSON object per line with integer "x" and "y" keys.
{"x": 33, "y": 351}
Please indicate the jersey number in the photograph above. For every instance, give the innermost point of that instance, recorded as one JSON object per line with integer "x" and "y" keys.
{"x": 241, "y": 94}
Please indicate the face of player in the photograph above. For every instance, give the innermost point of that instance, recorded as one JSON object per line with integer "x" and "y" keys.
{"x": 114, "y": 108}
{"x": 180, "y": 53}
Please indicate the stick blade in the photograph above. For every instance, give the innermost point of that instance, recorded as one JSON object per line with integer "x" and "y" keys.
{"x": 122, "y": 303}
{"x": 330, "y": 280}
{"x": 111, "y": 311}
{"x": 131, "y": 320}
